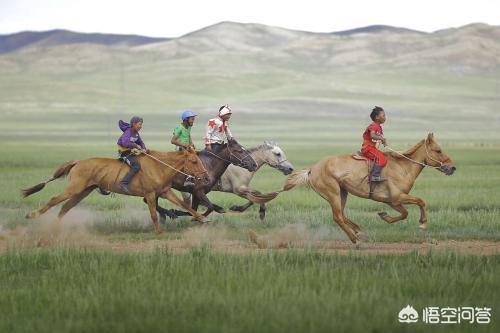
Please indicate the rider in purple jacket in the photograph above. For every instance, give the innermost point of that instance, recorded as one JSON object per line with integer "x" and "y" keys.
{"x": 128, "y": 140}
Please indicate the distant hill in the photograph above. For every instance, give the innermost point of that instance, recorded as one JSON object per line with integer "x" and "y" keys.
{"x": 471, "y": 47}
{"x": 13, "y": 42}
{"x": 376, "y": 29}
{"x": 475, "y": 46}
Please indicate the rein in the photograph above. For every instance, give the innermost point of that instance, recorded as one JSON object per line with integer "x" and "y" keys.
{"x": 417, "y": 162}
{"x": 240, "y": 163}
{"x": 168, "y": 165}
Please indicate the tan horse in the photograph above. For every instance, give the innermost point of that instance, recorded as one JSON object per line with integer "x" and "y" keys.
{"x": 152, "y": 181}
{"x": 334, "y": 177}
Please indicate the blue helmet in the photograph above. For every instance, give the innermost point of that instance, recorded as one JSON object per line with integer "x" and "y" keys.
{"x": 187, "y": 114}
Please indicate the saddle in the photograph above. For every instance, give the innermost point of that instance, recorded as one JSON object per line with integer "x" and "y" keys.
{"x": 369, "y": 163}
{"x": 124, "y": 160}
{"x": 359, "y": 157}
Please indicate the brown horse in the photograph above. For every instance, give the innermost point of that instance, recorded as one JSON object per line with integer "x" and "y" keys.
{"x": 334, "y": 177}
{"x": 152, "y": 181}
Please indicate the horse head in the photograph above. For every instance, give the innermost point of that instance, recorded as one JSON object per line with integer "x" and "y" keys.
{"x": 275, "y": 157}
{"x": 194, "y": 167}
{"x": 436, "y": 157}
{"x": 240, "y": 156}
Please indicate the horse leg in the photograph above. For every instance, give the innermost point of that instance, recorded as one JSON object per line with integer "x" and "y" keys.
{"x": 202, "y": 196}
{"x": 165, "y": 212}
{"x": 336, "y": 205}
{"x": 170, "y": 195}
{"x": 71, "y": 190}
{"x": 186, "y": 196}
{"x": 151, "y": 201}
{"x": 262, "y": 212}
{"x": 195, "y": 202}
{"x": 352, "y": 225}
{"x": 241, "y": 208}
{"x": 241, "y": 192}
{"x": 174, "y": 213}
{"x": 74, "y": 200}
{"x": 409, "y": 199}
{"x": 218, "y": 209}
{"x": 404, "y": 213}
{"x": 331, "y": 192}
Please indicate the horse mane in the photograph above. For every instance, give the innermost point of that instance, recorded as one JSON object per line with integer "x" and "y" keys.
{"x": 257, "y": 148}
{"x": 165, "y": 154}
{"x": 413, "y": 149}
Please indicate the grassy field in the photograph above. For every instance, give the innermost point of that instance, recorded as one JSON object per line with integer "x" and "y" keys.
{"x": 115, "y": 274}
{"x": 103, "y": 268}
{"x": 86, "y": 291}
{"x": 464, "y": 206}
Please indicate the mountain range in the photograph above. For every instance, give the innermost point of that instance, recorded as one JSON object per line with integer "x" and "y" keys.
{"x": 474, "y": 46}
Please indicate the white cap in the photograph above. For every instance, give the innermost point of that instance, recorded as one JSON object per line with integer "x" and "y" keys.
{"x": 225, "y": 110}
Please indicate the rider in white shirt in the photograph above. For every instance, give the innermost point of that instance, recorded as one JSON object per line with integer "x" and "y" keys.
{"x": 217, "y": 129}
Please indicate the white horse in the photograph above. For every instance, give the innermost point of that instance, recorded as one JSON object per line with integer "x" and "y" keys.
{"x": 237, "y": 180}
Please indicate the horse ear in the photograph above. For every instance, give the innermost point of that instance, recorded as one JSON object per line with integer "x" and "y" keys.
{"x": 430, "y": 138}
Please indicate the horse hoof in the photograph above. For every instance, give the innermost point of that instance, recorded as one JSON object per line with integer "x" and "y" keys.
{"x": 172, "y": 215}
{"x": 383, "y": 215}
{"x": 203, "y": 220}
{"x": 423, "y": 226}
{"x": 236, "y": 208}
{"x": 159, "y": 231}
{"x": 262, "y": 216}
{"x": 220, "y": 211}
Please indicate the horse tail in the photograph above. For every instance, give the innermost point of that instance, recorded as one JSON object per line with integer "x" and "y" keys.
{"x": 63, "y": 170}
{"x": 297, "y": 178}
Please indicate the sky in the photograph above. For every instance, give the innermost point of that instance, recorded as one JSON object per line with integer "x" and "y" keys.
{"x": 175, "y": 18}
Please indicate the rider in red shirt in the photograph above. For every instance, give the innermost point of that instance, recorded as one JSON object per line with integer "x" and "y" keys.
{"x": 371, "y": 136}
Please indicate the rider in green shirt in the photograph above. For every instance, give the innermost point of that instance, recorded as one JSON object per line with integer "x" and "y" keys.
{"x": 182, "y": 132}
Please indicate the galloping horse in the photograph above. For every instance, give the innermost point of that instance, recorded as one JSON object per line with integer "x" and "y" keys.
{"x": 237, "y": 180}
{"x": 153, "y": 180}
{"x": 216, "y": 162}
{"x": 334, "y": 177}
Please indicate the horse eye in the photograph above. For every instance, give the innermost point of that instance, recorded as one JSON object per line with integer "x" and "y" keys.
{"x": 277, "y": 154}
{"x": 439, "y": 151}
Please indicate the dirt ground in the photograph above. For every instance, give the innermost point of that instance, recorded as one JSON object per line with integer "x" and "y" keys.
{"x": 48, "y": 235}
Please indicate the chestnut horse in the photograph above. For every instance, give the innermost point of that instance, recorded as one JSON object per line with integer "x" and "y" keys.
{"x": 334, "y": 177}
{"x": 152, "y": 181}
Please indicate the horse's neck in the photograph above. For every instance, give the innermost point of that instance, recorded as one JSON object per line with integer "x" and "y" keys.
{"x": 258, "y": 158}
{"x": 177, "y": 162}
{"x": 218, "y": 165}
{"x": 410, "y": 166}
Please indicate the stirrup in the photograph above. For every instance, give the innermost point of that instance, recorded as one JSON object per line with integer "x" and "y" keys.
{"x": 377, "y": 179}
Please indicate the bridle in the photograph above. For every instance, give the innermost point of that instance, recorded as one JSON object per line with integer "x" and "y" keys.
{"x": 240, "y": 162}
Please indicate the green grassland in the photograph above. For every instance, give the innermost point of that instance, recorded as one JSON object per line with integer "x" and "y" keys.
{"x": 463, "y": 206}
{"x": 55, "y": 107}
{"x": 80, "y": 290}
